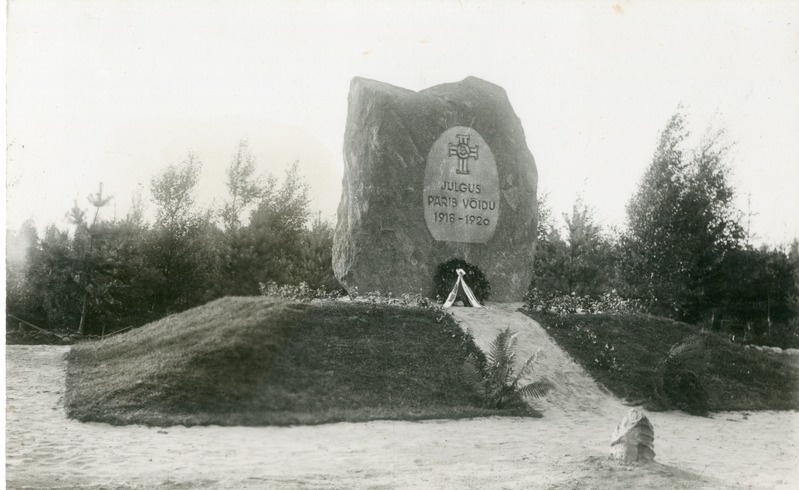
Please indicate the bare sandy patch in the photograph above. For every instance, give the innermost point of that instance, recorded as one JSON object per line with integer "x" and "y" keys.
{"x": 567, "y": 448}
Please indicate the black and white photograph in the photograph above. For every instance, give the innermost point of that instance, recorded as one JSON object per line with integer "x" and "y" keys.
{"x": 448, "y": 244}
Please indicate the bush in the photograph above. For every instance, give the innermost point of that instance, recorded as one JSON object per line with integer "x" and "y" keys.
{"x": 376, "y": 297}
{"x": 568, "y": 304}
{"x": 785, "y": 335}
{"x": 682, "y": 374}
{"x": 302, "y": 292}
{"x": 779, "y": 334}
{"x": 495, "y": 379}
{"x": 446, "y": 276}
{"x": 305, "y": 293}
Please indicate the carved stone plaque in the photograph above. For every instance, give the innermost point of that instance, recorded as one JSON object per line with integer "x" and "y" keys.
{"x": 461, "y": 188}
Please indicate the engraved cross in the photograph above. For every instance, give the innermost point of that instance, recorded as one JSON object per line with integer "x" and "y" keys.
{"x": 464, "y": 152}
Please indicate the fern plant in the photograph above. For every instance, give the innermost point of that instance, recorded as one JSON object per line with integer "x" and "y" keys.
{"x": 681, "y": 375}
{"x": 495, "y": 379}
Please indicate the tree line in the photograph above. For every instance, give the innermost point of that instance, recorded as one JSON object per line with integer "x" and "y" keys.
{"x": 683, "y": 252}
{"x": 103, "y": 275}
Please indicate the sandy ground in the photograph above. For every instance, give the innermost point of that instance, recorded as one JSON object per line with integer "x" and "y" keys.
{"x": 565, "y": 449}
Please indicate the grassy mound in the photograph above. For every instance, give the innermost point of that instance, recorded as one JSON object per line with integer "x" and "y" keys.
{"x": 625, "y": 353}
{"x": 260, "y": 361}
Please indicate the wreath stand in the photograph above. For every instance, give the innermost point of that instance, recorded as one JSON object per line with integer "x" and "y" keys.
{"x": 454, "y": 293}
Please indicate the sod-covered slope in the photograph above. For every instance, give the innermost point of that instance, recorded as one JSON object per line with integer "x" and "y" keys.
{"x": 624, "y": 353}
{"x": 259, "y": 361}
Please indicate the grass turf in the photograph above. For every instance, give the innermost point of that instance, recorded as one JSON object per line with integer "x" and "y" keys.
{"x": 624, "y": 353}
{"x": 260, "y": 361}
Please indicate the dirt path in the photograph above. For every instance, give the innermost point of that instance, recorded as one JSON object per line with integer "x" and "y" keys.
{"x": 758, "y": 449}
{"x": 565, "y": 449}
{"x": 575, "y": 394}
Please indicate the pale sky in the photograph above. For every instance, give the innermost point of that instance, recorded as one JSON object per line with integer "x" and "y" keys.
{"x": 113, "y": 91}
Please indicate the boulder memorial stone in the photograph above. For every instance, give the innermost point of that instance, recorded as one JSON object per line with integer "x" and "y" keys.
{"x": 430, "y": 176}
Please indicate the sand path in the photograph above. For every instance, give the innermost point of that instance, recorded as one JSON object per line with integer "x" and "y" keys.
{"x": 576, "y": 394}
{"x": 565, "y": 449}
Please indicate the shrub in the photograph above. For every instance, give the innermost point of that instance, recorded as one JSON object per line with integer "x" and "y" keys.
{"x": 304, "y": 293}
{"x": 299, "y": 293}
{"x": 585, "y": 338}
{"x": 376, "y": 297}
{"x": 568, "y": 304}
{"x": 682, "y": 372}
{"x": 786, "y": 335}
{"x": 446, "y": 276}
{"x": 495, "y": 380}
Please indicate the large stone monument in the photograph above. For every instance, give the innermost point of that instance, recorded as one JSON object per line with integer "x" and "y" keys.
{"x": 430, "y": 176}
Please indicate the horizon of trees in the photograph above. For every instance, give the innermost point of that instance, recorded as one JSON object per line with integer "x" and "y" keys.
{"x": 683, "y": 253}
{"x": 103, "y": 275}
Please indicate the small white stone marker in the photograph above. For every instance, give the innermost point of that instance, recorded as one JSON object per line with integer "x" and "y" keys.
{"x": 633, "y": 440}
